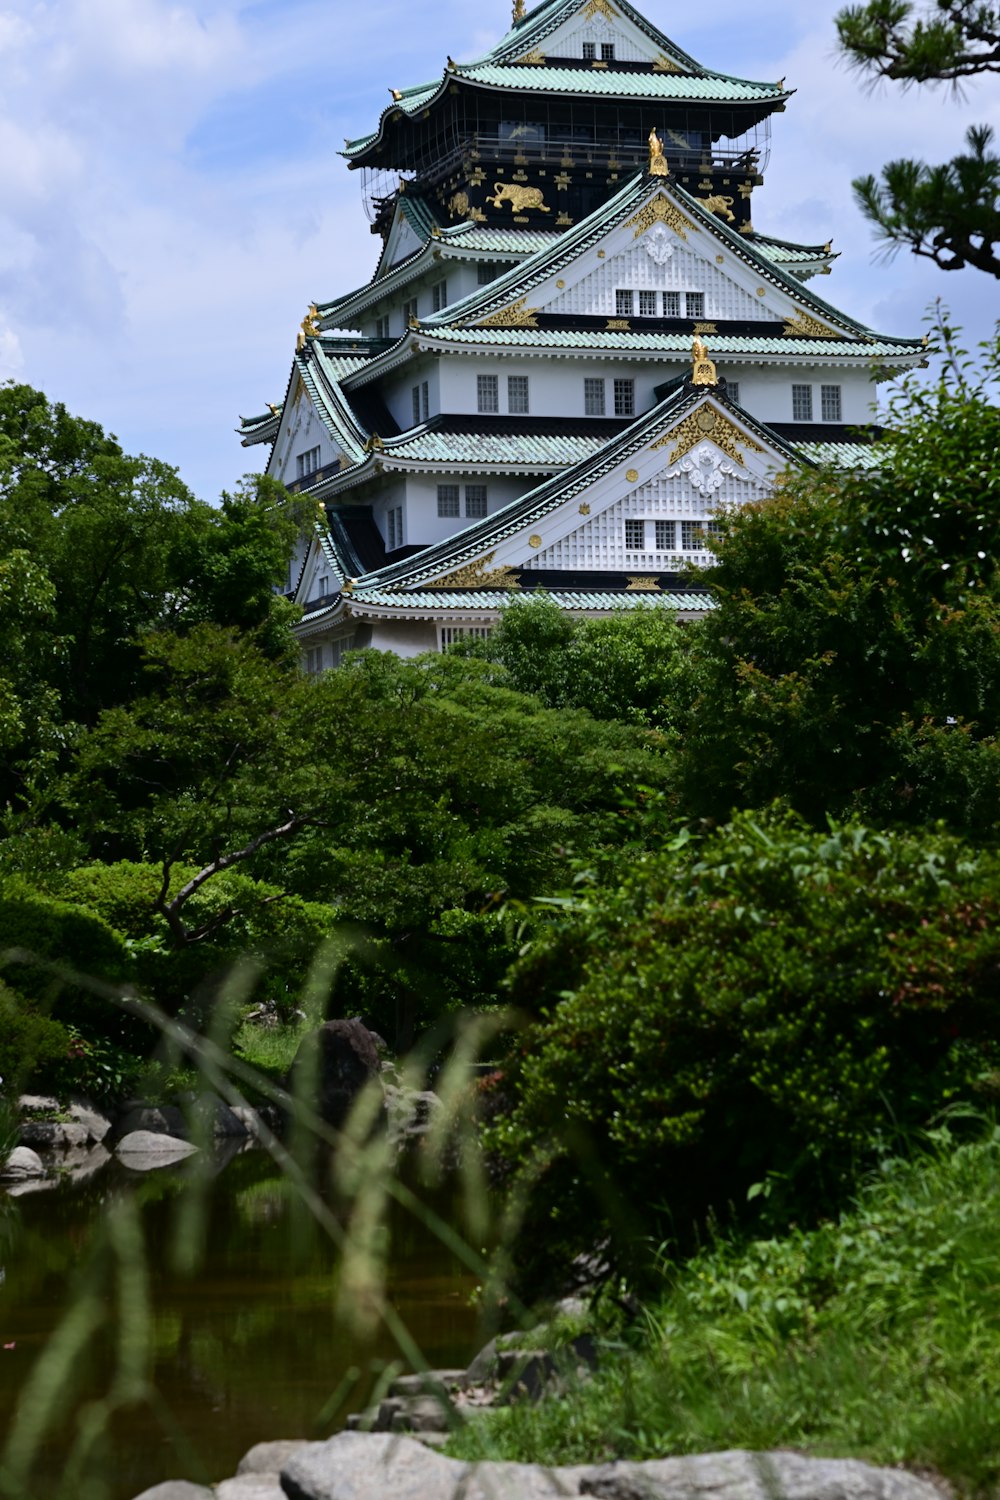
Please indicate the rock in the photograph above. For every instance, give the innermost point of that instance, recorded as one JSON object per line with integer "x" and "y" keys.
{"x": 739, "y": 1475}
{"x": 424, "y": 1414}
{"x": 334, "y": 1063}
{"x": 485, "y": 1365}
{"x": 409, "y": 1112}
{"x": 251, "y": 1487}
{"x": 378, "y": 1466}
{"x": 54, "y": 1135}
{"x": 96, "y": 1125}
{"x": 267, "y": 1458}
{"x": 38, "y": 1104}
{"x": 21, "y": 1165}
{"x": 529, "y": 1372}
{"x": 164, "y": 1119}
{"x": 428, "y": 1382}
{"x": 177, "y": 1489}
{"x": 142, "y": 1150}
{"x": 211, "y": 1115}
{"x": 249, "y": 1119}
{"x": 81, "y": 1168}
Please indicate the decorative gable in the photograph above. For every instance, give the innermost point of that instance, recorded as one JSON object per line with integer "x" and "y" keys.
{"x": 600, "y": 23}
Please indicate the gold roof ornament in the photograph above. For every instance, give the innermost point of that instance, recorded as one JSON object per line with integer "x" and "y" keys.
{"x": 518, "y": 11}
{"x": 374, "y": 444}
{"x": 704, "y": 372}
{"x": 657, "y": 161}
{"x": 309, "y": 328}
{"x": 396, "y": 94}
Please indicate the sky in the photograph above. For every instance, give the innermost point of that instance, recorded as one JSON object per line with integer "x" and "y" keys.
{"x": 171, "y": 197}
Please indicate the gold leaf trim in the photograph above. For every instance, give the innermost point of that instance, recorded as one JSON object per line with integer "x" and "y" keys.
{"x": 711, "y": 425}
{"x": 804, "y": 325}
{"x": 599, "y": 8}
{"x": 518, "y": 315}
{"x": 477, "y": 575}
{"x": 642, "y": 586}
{"x": 534, "y": 59}
{"x": 660, "y": 211}
{"x": 664, "y": 64}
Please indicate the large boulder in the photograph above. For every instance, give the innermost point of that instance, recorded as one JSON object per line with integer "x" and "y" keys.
{"x": 176, "y": 1489}
{"x": 267, "y": 1458}
{"x": 739, "y": 1475}
{"x": 144, "y": 1150}
{"x": 332, "y": 1066}
{"x": 22, "y": 1165}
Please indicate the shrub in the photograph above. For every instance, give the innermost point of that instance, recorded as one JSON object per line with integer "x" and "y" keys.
{"x": 756, "y": 1015}
{"x": 30, "y": 1043}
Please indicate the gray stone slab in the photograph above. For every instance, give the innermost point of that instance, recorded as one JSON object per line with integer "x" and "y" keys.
{"x": 164, "y": 1119}
{"x": 739, "y": 1475}
{"x": 54, "y": 1135}
{"x": 269, "y": 1458}
{"x": 143, "y": 1150}
{"x": 176, "y": 1489}
{"x": 381, "y": 1466}
{"x": 96, "y": 1125}
{"x": 251, "y": 1487}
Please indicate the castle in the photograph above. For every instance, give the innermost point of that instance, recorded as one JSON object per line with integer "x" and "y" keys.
{"x": 575, "y": 352}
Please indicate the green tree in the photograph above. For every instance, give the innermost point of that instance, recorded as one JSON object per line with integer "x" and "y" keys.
{"x": 853, "y": 662}
{"x": 948, "y": 213}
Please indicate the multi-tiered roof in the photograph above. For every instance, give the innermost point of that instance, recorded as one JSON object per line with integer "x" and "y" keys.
{"x": 510, "y": 402}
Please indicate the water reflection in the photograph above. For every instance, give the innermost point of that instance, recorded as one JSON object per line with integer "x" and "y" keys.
{"x": 245, "y": 1347}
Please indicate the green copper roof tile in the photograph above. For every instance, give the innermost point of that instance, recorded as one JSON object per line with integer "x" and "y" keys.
{"x": 519, "y": 450}
{"x": 843, "y": 455}
{"x": 611, "y": 84}
{"x": 492, "y": 599}
{"x": 722, "y": 344}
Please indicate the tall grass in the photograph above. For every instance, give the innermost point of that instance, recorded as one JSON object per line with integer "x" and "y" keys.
{"x": 877, "y": 1336}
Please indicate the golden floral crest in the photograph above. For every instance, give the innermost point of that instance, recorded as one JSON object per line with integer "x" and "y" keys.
{"x": 660, "y": 210}
{"x": 642, "y": 585}
{"x": 708, "y": 424}
{"x": 478, "y": 575}
{"x": 599, "y": 8}
{"x": 518, "y": 315}
{"x": 803, "y": 325}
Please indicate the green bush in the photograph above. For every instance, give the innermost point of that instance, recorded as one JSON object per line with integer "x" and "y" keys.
{"x": 31, "y": 1044}
{"x": 757, "y": 1015}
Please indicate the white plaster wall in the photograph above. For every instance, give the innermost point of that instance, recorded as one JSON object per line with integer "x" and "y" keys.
{"x": 680, "y": 270}
{"x": 631, "y": 45}
{"x": 425, "y": 526}
{"x": 462, "y": 278}
{"x": 555, "y": 386}
{"x": 397, "y": 392}
{"x": 303, "y": 430}
{"x": 767, "y": 392}
{"x": 392, "y": 494}
{"x": 404, "y": 637}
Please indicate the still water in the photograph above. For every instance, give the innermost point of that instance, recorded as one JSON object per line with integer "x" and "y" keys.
{"x": 245, "y": 1346}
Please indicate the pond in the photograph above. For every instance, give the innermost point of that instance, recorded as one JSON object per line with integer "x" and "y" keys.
{"x": 245, "y": 1347}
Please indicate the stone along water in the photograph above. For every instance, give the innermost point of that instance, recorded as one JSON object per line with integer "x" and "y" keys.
{"x": 247, "y": 1346}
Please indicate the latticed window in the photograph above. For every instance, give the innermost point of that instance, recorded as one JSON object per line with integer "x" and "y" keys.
{"x": 593, "y": 398}
{"x": 624, "y": 398}
{"x": 307, "y": 463}
{"x": 693, "y": 536}
{"x": 647, "y": 304}
{"x": 589, "y": 51}
{"x": 695, "y": 304}
{"x": 802, "y": 403}
{"x": 488, "y": 393}
{"x": 416, "y": 405}
{"x": 666, "y": 536}
{"x": 671, "y": 304}
{"x": 439, "y": 296}
{"x": 517, "y": 395}
{"x": 382, "y": 328}
{"x": 475, "y": 501}
{"x": 635, "y": 535}
{"x": 830, "y": 403}
{"x": 608, "y": 51}
{"x": 409, "y": 312}
{"x": 624, "y": 304}
{"x": 733, "y": 390}
{"x": 448, "y": 500}
{"x": 486, "y": 272}
{"x": 394, "y": 527}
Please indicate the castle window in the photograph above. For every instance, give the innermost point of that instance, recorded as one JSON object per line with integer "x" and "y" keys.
{"x": 314, "y": 661}
{"x": 487, "y": 394}
{"x": 693, "y": 536}
{"x": 517, "y": 395}
{"x": 830, "y": 403}
{"x": 608, "y": 51}
{"x": 802, "y": 403}
{"x": 382, "y": 327}
{"x": 635, "y": 535}
{"x": 671, "y": 304}
{"x": 409, "y": 311}
{"x": 589, "y": 51}
{"x": 439, "y": 296}
{"x": 733, "y": 390}
{"x": 666, "y": 536}
{"x": 394, "y": 528}
{"x": 448, "y": 500}
{"x": 593, "y": 398}
{"x": 475, "y": 501}
{"x": 425, "y": 401}
{"x": 624, "y": 398}
{"x": 624, "y": 303}
{"x": 415, "y": 393}
{"x": 307, "y": 463}
{"x": 647, "y": 304}
{"x": 695, "y": 304}
{"x": 486, "y": 272}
